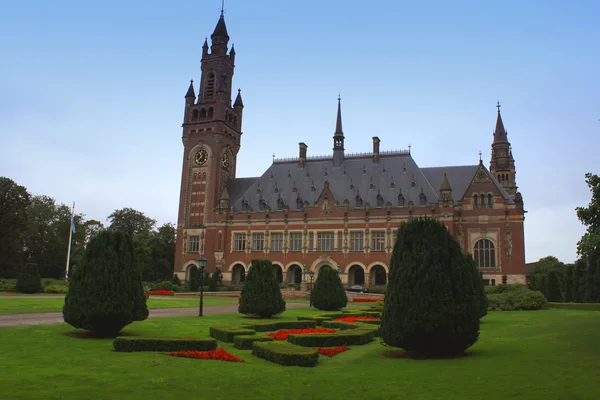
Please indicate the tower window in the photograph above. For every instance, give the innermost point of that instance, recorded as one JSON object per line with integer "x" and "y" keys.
{"x": 211, "y": 112}
{"x": 484, "y": 254}
{"x": 475, "y": 201}
{"x": 203, "y": 113}
{"x": 483, "y": 201}
{"x": 490, "y": 201}
{"x": 210, "y": 85}
{"x": 194, "y": 115}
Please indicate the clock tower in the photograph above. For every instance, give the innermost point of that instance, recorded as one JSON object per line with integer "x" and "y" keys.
{"x": 211, "y": 140}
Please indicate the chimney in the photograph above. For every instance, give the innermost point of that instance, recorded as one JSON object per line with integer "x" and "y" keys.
{"x": 375, "y": 149}
{"x": 302, "y": 160}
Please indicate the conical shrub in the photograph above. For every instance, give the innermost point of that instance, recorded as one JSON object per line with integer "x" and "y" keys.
{"x": 431, "y": 305}
{"x": 478, "y": 285}
{"x": 106, "y": 292}
{"x": 261, "y": 295}
{"x": 328, "y": 294}
{"x": 29, "y": 280}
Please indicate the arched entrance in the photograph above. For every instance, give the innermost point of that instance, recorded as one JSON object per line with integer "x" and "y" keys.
{"x": 356, "y": 275}
{"x": 378, "y": 276}
{"x": 192, "y": 271}
{"x": 294, "y": 274}
{"x": 278, "y": 271}
{"x": 238, "y": 274}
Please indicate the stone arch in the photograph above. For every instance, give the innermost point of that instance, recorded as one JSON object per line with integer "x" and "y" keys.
{"x": 190, "y": 269}
{"x": 293, "y": 273}
{"x": 278, "y": 271}
{"x": 356, "y": 274}
{"x": 238, "y": 272}
{"x": 378, "y": 274}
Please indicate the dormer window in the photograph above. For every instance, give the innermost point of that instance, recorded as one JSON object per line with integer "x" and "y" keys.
{"x": 299, "y": 204}
{"x": 379, "y": 200}
{"x": 401, "y": 200}
{"x": 262, "y": 204}
{"x": 244, "y": 205}
{"x": 422, "y": 199}
{"x": 280, "y": 204}
{"x": 359, "y": 201}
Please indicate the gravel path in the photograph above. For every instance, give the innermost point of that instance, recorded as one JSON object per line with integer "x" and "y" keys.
{"x": 57, "y": 317}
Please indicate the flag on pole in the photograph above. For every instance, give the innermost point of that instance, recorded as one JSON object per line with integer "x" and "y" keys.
{"x": 73, "y": 223}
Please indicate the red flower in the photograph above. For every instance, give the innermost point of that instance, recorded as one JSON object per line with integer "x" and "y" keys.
{"x": 162, "y": 292}
{"x": 332, "y": 351}
{"x": 283, "y": 334}
{"x": 218, "y": 354}
{"x": 365, "y": 300}
{"x": 352, "y": 319}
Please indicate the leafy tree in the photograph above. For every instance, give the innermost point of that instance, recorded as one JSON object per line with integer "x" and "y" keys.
{"x": 29, "y": 280}
{"x": 14, "y": 201}
{"x": 579, "y": 281}
{"x": 131, "y": 221}
{"x": 569, "y": 283}
{"x": 431, "y": 305}
{"x": 48, "y": 226}
{"x": 91, "y": 228}
{"x": 540, "y": 274}
{"x": 261, "y": 295}
{"x": 105, "y": 292}
{"x": 589, "y": 245}
{"x": 175, "y": 280}
{"x": 553, "y": 290}
{"x": 328, "y": 294}
{"x": 213, "y": 283}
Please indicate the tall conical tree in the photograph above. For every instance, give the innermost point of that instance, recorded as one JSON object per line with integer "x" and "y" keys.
{"x": 261, "y": 295}
{"x": 431, "y": 305}
{"x": 328, "y": 294}
{"x": 105, "y": 291}
{"x": 482, "y": 300}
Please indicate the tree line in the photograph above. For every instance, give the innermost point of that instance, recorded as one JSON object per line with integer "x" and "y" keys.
{"x": 578, "y": 282}
{"x": 35, "y": 231}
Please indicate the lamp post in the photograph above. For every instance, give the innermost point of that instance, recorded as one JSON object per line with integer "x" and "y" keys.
{"x": 201, "y": 265}
{"x": 311, "y": 274}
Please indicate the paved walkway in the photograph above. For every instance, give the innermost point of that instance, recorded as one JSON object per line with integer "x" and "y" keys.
{"x": 50, "y": 318}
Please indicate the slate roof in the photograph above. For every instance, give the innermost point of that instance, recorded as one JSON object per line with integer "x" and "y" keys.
{"x": 360, "y": 177}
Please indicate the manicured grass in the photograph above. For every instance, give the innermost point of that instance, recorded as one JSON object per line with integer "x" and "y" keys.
{"x": 576, "y": 306}
{"x": 14, "y": 306}
{"x": 551, "y": 354}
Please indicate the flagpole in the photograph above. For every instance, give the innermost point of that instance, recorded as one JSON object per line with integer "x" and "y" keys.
{"x": 70, "y": 238}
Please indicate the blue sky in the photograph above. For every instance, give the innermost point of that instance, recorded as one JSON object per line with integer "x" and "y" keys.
{"x": 92, "y": 94}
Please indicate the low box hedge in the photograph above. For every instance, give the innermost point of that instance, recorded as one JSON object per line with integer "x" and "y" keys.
{"x": 277, "y": 325}
{"x": 228, "y": 333}
{"x": 287, "y": 354}
{"x": 129, "y": 344}
{"x": 576, "y": 306}
{"x": 348, "y": 337}
{"x": 318, "y": 319}
{"x": 372, "y": 313}
{"x": 245, "y": 342}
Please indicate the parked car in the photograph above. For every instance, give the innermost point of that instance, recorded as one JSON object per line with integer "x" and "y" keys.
{"x": 357, "y": 288}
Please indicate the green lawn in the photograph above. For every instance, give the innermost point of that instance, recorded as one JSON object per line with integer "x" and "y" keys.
{"x": 546, "y": 355}
{"x": 13, "y": 306}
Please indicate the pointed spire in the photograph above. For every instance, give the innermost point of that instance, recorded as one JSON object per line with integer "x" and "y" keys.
{"x": 499, "y": 132}
{"x": 205, "y": 45}
{"x": 238, "y": 100}
{"x": 338, "y": 123}
{"x": 232, "y": 51}
{"x": 445, "y": 184}
{"x": 190, "y": 92}
{"x": 220, "y": 29}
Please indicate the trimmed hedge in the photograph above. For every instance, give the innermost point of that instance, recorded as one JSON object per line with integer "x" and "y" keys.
{"x": 514, "y": 300}
{"x": 348, "y": 337}
{"x": 372, "y": 314}
{"x": 318, "y": 319}
{"x": 365, "y": 325}
{"x": 576, "y": 306}
{"x": 228, "y": 333}
{"x": 245, "y": 342}
{"x": 286, "y": 354}
{"x": 274, "y": 326}
{"x": 129, "y": 344}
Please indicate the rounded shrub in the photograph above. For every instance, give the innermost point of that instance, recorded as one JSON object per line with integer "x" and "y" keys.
{"x": 105, "y": 292}
{"x": 29, "y": 280}
{"x": 432, "y": 306}
{"x": 328, "y": 294}
{"x": 515, "y": 298}
{"x": 261, "y": 295}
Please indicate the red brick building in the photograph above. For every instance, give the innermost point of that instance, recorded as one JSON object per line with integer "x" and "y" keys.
{"x": 342, "y": 210}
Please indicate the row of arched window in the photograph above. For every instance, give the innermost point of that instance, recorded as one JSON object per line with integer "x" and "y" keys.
{"x": 483, "y": 200}
{"x": 503, "y": 178}
{"x": 203, "y": 113}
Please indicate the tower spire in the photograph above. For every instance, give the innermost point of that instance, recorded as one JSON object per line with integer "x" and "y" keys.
{"x": 499, "y": 132}
{"x": 502, "y": 163}
{"x": 338, "y": 137}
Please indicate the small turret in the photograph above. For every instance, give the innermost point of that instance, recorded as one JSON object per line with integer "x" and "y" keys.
{"x": 232, "y": 54}
{"x": 205, "y": 48}
{"x": 238, "y": 104}
{"x": 190, "y": 96}
{"x": 446, "y": 192}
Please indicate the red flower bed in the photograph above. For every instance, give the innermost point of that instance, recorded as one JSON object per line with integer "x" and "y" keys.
{"x": 352, "y": 319}
{"x": 332, "y": 351}
{"x": 283, "y": 334}
{"x": 365, "y": 300}
{"x": 162, "y": 292}
{"x": 219, "y": 354}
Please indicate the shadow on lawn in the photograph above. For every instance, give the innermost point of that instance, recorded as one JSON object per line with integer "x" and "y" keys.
{"x": 403, "y": 354}
{"x": 83, "y": 334}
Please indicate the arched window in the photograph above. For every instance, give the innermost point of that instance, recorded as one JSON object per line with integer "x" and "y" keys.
{"x": 475, "y": 201}
{"x": 401, "y": 200}
{"x": 210, "y": 85}
{"x": 262, "y": 204}
{"x": 422, "y": 199}
{"x": 484, "y": 254}
{"x": 194, "y": 115}
{"x": 244, "y": 204}
{"x": 359, "y": 202}
{"x": 210, "y": 112}
{"x": 490, "y": 201}
{"x": 203, "y": 113}
{"x": 299, "y": 204}
{"x": 379, "y": 200}
{"x": 483, "y": 201}
{"x": 280, "y": 204}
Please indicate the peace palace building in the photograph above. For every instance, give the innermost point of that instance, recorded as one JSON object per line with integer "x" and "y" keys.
{"x": 341, "y": 210}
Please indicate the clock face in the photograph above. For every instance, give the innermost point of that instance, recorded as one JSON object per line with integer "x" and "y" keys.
{"x": 225, "y": 161}
{"x": 200, "y": 157}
